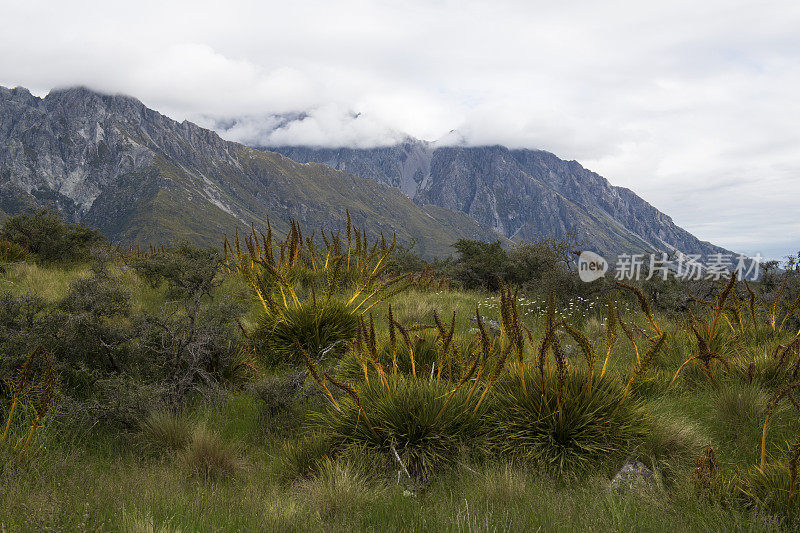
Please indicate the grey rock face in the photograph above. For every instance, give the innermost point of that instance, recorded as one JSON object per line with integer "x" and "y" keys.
{"x": 522, "y": 194}
{"x": 142, "y": 177}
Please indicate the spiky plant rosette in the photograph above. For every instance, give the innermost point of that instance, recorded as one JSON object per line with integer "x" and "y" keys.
{"x": 317, "y": 326}
{"x": 591, "y": 424}
{"x": 408, "y": 416}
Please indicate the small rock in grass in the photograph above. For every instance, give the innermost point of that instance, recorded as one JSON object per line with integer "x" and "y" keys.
{"x": 632, "y": 475}
{"x": 492, "y": 325}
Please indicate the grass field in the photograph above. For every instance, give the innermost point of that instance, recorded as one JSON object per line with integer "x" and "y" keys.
{"x": 223, "y": 464}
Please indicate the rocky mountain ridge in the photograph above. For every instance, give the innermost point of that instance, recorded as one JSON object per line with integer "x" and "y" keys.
{"x": 139, "y": 176}
{"x": 522, "y": 194}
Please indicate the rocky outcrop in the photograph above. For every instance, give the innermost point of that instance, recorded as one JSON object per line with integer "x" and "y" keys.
{"x": 523, "y": 194}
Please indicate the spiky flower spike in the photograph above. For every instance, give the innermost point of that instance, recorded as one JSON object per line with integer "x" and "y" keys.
{"x": 446, "y": 342}
{"x": 409, "y": 345}
{"x": 547, "y": 340}
{"x": 643, "y": 304}
{"x": 751, "y": 303}
{"x": 773, "y": 316}
{"x": 486, "y": 347}
{"x": 354, "y": 395}
{"x": 45, "y": 393}
{"x": 644, "y": 363}
{"x": 20, "y": 385}
{"x": 631, "y": 337}
{"x": 586, "y": 347}
{"x": 511, "y": 329}
{"x": 392, "y": 340}
{"x": 501, "y": 363}
{"x": 611, "y": 333}
{"x": 719, "y": 309}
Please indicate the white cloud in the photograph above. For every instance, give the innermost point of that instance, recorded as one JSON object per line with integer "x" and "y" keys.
{"x": 693, "y": 105}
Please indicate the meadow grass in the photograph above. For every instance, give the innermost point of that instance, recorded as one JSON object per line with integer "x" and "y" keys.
{"x": 46, "y": 281}
{"x": 222, "y": 466}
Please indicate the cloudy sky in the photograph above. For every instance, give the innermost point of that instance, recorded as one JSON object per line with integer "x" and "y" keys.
{"x": 693, "y": 105}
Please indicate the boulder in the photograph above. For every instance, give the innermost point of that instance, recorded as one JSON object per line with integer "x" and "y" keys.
{"x": 633, "y": 475}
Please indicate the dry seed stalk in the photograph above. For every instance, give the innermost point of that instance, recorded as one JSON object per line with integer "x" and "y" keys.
{"x": 774, "y": 312}
{"x": 611, "y": 333}
{"x": 586, "y": 347}
{"x": 643, "y": 304}
{"x": 773, "y": 404}
{"x": 392, "y": 340}
{"x": 20, "y": 385}
{"x": 312, "y": 369}
{"x": 642, "y": 366}
{"x": 354, "y": 395}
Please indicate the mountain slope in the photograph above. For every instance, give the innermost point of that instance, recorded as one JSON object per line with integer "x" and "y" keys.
{"x": 522, "y": 194}
{"x": 141, "y": 177}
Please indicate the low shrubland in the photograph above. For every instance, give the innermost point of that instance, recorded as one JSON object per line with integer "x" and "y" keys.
{"x": 291, "y": 384}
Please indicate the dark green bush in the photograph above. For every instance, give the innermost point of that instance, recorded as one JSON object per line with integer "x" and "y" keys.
{"x": 11, "y": 251}
{"x": 45, "y": 234}
{"x": 481, "y": 265}
{"x": 189, "y": 271}
{"x": 286, "y": 399}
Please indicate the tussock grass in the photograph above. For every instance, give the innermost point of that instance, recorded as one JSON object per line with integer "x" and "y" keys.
{"x": 340, "y": 487}
{"x": 167, "y": 430}
{"x": 772, "y": 490}
{"x": 582, "y": 430}
{"x": 301, "y": 457}
{"x": 411, "y": 417}
{"x": 209, "y": 457}
{"x": 137, "y": 522}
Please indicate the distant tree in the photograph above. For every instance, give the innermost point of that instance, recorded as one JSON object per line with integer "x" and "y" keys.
{"x": 480, "y": 264}
{"x": 404, "y": 259}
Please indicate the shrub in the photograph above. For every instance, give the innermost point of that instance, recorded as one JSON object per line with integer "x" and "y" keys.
{"x": 208, "y": 457}
{"x": 192, "y": 352}
{"x": 410, "y": 417}
{"x": 45, "y": 234}
{"x": 481, "y": 265}
{"x": 189, "y": 271}
{"x": 315, "y": 326}
{"x": 11, "y": 251}
{"x": 167, "y": 429}
{"x": 592, "y": 424}
{"x": 285, "y": 399}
